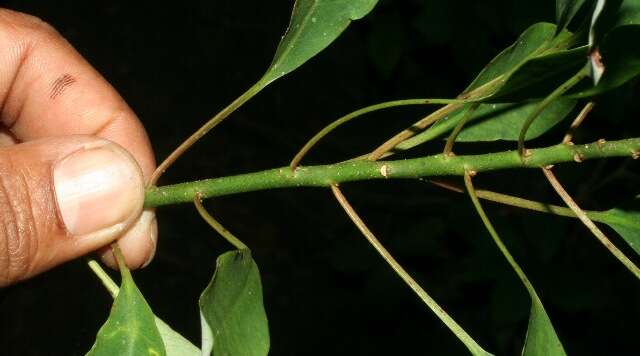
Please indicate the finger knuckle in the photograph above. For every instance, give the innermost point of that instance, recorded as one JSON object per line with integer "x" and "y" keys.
{"x": 18, "y": 241}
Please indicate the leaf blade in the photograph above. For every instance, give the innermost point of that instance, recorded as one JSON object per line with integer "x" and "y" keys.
{"x": 233, "y": 318}
{"x": 314, "y": 25}
{"x": 130, "y": 328}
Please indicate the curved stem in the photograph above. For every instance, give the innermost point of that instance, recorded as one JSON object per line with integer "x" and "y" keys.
{"x": 213, "y": 122}
{"x": 418, "y": 126}
{"x": 471, "y": 344}
{"x": 589, "y": 224}
{"x": 494, "y": 234}
{"x": 231, "y": 238}
{"x": 436, "y": 165}
{"x": 343, "y": 120}
{"x": 448, "y": 147}
{"x": 570, "y": 83}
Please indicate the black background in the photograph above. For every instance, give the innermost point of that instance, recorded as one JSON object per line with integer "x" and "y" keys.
{"x": 326, "y": 291}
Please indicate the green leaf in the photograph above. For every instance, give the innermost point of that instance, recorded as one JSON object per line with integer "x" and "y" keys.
{"x": 131, "y": 327}
{"x": 538, "y": 77}
{"x": 566, "y": 10}
{"x": 503, "y": 121}
{"x": 625, "y": 220}
{"x": 530, "y": 43}
{"x": 174, "y": 343}
{"x": 232, "y": 313}
{"x": 313, "y": 26}
{"x": 541, "y": 339}
{"x": 531, "y": 68}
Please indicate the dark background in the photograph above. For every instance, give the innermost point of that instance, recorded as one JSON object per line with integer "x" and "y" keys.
{"x": 326, "y": 291}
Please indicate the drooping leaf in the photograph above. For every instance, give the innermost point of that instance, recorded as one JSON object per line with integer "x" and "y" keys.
{"x": 232, "y": 313}
{"x": 541, "y": 339}
{"x": 313, "y": 26}
{"x": 530, "y": 43}
{"x": 566, "y": 10}
{"x": 174, "y": 343}
{"x": 494, "y": 122}
{"x": 625, "y": 220}
{"x": 131, "y": 327}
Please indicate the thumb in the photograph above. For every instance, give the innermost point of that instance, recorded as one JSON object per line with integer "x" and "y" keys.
{"x": 63, "y": 197}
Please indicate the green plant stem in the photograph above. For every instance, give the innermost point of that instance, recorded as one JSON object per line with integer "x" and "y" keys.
{"x": 213, "y": 122}
{"x": 589, "y": 224}
{"x": 436, "y": 165}
{"x": 570, "y": 83}
{"x": 104, "y": 277}
{"x": 471, "y": 344}
{"x": 418, "y": 126}
{"x": 343, "y": 120}
{"x": 496, "y": 238}
{"x": 526, "y": 203}
{"x": 448, "y": 147}
{"x": 231, "y": 238}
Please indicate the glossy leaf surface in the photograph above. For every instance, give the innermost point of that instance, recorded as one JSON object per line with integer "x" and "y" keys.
{"x": 232, "y": 313}
{"x": 313, "y": 26}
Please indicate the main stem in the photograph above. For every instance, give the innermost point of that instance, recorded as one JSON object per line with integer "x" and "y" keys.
{"x": 436, "y": 165}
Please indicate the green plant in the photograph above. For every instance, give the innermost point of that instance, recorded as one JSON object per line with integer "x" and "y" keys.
{"x": 525, "y": 91}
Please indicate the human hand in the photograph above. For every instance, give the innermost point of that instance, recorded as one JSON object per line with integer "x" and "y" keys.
{"x": 73, "y": 157}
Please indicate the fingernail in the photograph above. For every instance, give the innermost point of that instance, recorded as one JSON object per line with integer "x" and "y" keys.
{"x": 97, "y": 188}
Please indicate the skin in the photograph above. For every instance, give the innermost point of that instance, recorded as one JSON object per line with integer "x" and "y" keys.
{"x": 52, "y": 102}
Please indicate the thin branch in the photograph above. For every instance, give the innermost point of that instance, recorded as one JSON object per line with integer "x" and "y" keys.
{"x": 424, "y": 296}
{"x": 231, "y": 238}
{"x": 343, "y": 120}
{"x": 448, "y": 147}
{"x": 589, "y": 224}
{"x": 577, "y": 121}
{"x": 213, "y": 122}
{"x": 570, "y": 83}
{"x": 495, "y": 236}
{"x": 522, "y": 203}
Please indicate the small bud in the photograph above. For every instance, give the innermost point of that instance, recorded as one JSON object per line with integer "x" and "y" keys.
{"x": 527, "y": 153}
{"x": 578, "y": 157}
{"x": 472, "y": 173}
{"x": 569, "y": 143}
{"x": 548, "y": 167}
{"x": 601, "y": 142}
{"x": 635, "y": 154}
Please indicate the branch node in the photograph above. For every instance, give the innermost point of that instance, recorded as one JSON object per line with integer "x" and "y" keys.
{"x": 549, "y": 166}
{"x": 384, "y": 171}
{"x": 472, "y": 173}
{"x": 569, "y": 143}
